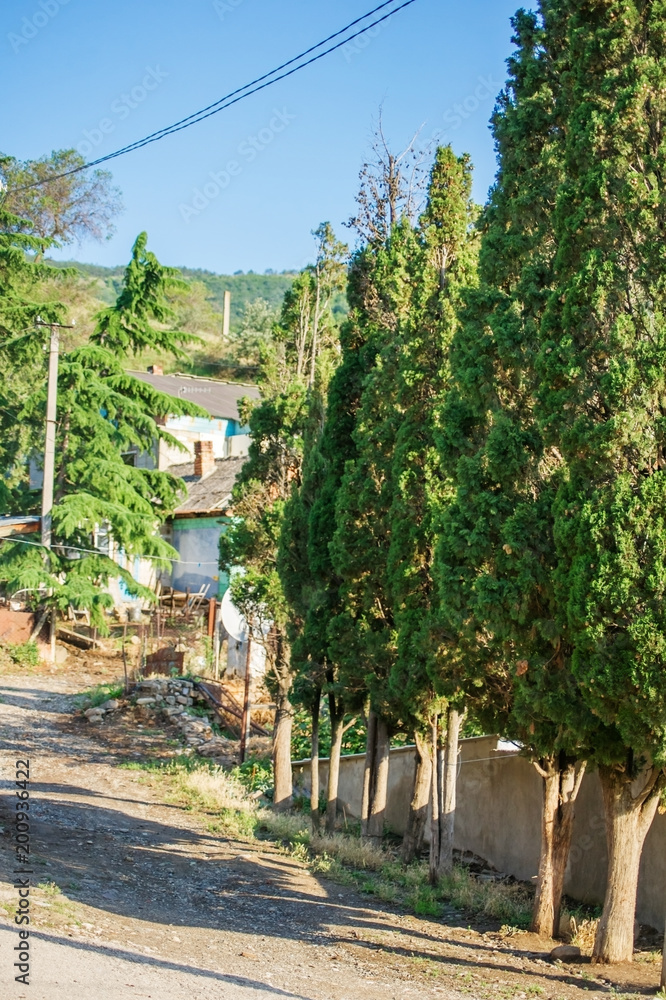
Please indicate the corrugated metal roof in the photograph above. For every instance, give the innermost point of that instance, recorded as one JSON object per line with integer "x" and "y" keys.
{"x": 212, "y": 494}
{"x": 219, "y": 398}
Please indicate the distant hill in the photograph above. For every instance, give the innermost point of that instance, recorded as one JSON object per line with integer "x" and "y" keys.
{"x": 244, "y": 287}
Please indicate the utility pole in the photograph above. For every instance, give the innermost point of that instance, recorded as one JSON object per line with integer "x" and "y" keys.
{"x": 226, "y": 320}
{"x": 49, "y": 448}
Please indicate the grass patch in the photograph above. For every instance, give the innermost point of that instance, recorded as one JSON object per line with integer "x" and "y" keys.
{"x": 24, "y": 655}
{"x": 225, "y": 801}
{"x": 99, "y": 694}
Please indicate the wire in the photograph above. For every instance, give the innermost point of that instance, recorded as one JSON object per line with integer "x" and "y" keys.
{"x": 235, "y": 96}
{"x": 100, "y": 552}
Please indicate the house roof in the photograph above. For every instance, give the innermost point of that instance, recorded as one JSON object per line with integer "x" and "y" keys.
{"x": 212, "y": 493}
{"x": 19, "y": 525}
{"x": 219, "y": 398}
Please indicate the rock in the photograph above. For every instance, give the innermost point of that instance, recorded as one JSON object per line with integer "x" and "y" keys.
{"x": 61, "y": 655}
{"x": 565, "y": 953}
{"x": 170, "y": 699}
{"x": 110, "y": 705}
{"x": 135, "y": 640}
{"x": 90, "y": 713}
{"x": 145, "y": 701}
{"x": 182, "y": 700}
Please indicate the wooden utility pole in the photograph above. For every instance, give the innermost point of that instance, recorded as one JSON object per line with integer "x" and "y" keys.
{"x": 49, "y": 449}
{"x": 226, "y": 319}
{"x": 245, "y": 725}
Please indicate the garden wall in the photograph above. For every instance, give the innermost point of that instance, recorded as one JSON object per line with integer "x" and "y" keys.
{"x": 499, "y": 818}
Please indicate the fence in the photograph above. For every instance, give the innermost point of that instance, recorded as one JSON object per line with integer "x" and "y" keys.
{"x": 499, "y": 818}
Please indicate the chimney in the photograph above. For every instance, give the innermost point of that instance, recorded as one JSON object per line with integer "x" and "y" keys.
{"x": 204, "y": 459}
{"x": 155, "y": 370}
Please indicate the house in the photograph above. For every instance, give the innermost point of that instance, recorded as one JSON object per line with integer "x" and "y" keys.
{"x": 215, "y": 449}
{"x": 222, "y": 426}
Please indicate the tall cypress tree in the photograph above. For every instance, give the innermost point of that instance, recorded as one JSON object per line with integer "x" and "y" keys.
{"x": 442, "y": 265}
{"x": 496, "y": 554}
{"x": 602, "y": 368}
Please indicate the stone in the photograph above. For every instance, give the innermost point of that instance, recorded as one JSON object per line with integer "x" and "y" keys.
{"x": 145, "y": 701}
{"x": 110, "y": 705}
{"x": 565, "y": 953}
{"x": 181, "y": 699}
{"x": 170, "y": 699}
{"x": 92, "y": 712}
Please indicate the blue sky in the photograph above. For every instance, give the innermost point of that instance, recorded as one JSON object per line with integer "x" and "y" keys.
{"x": 97, "y": 74}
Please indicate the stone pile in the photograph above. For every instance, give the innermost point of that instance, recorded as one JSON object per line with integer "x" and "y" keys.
{"x": 171, "y": 697}
{"x": 97, "y": 714}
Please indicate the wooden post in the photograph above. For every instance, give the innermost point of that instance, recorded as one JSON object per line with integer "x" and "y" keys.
{"x": 245, "y": 725}
{"x": 125, "y": 658}
{"x": 211, "y": 617}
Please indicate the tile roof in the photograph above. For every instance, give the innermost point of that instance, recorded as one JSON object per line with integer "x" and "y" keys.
{"x": 212, "y": 493}
{"x": 219, "y": 398}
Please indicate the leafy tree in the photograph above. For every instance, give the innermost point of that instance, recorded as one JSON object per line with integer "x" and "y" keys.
{"x": 79, "y": 206}
{"x": 103, "y": 413}
{"x": 295, "y": 368}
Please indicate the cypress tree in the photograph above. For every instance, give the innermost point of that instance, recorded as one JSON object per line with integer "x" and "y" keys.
{"x": 602, "y": 367}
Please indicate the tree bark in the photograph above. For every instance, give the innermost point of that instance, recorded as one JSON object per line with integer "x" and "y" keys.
{"x": 368, "y": 770}
{"x": 561, "y": 784}
{"x": 435, "y": 800}
{"x": 282, "y": 744}
{"x": 337, "y": 732}
{"x": 379, "y": 785}
{"x": 450, "y": 775}
{"x": 629, "y": 814}
{"x": 314, "y": 765}
{"x": 412, "y": 842}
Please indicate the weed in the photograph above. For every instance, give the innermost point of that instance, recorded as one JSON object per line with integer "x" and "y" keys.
{"x": 99, "y": 694}
{"x": 23, "y": 654}
{"x": 50, "y": 888}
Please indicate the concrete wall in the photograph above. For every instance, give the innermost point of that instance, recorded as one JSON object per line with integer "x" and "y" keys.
{"x": 499, "y": 818}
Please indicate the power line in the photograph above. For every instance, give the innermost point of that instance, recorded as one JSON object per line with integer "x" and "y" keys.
{"x": 260, "y": 83}
{"x": 101, "y": 552}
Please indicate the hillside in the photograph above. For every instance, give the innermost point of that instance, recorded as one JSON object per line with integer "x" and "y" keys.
{"x": 245, "y": 288}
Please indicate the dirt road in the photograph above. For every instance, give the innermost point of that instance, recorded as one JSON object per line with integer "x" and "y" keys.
{"x": 152, "y": 906}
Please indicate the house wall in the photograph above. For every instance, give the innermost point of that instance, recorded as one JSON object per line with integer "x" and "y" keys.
{"x": 228, "y": 437}
{"x": 498, "y": 817}
{"x": 197, "y": 539}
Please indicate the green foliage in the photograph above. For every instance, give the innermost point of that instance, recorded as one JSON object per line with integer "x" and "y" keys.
{"x": 23, "y": 654}
{"x": 100, "y": 693}
{"x": 80, "y": 205}
{"x": 255, "y": 774}
{"x": 103, "y": 413}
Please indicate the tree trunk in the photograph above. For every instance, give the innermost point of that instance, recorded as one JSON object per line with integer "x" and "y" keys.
{"x": 412, "y": 842}
{"x": 379, "y": 784}
{"x": 282, "y": 745}
{"x": 435, "y": 785}
{"x": 368, "y": 770}
{"x": 629, "y": 814}
{"x": 314, "y": 764}
{"x": 450, "y": 774}
{"x": 561, "y": 784}
{"x": 337, "y": 732}
{"x": 663, "y": 967}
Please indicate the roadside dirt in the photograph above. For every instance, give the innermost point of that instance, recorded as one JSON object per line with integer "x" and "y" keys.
{"x": 139, "y": 900}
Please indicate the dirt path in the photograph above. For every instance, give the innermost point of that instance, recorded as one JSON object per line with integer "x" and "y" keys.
{"x": 152, "y": 905}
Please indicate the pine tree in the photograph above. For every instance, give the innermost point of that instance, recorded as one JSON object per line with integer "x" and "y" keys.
{"x": 103, "y": 412}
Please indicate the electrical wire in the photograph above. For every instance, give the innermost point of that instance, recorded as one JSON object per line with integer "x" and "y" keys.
{"x": 100, "y": 552}
{"x": 236, "y": 95}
